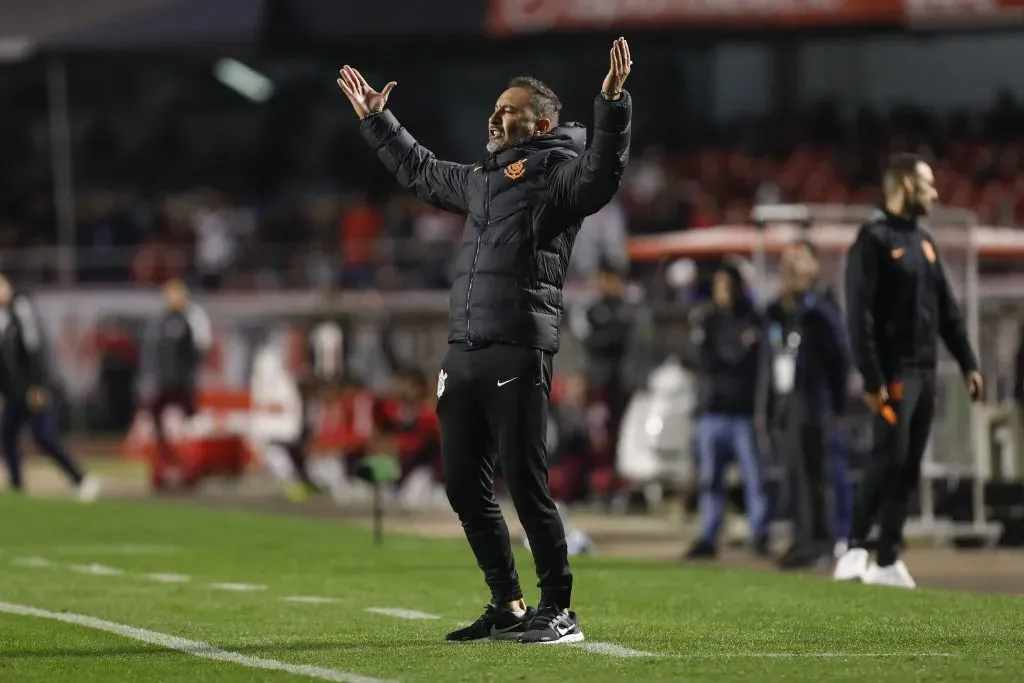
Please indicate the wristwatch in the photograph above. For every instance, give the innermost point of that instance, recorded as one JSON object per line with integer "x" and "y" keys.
{"x": 611, "y": 96}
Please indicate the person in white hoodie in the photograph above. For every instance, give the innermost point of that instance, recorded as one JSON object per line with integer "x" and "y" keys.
{"x": 279, "y": 428}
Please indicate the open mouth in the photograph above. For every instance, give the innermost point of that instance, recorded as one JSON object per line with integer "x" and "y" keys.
{"x": 495, "y": 132}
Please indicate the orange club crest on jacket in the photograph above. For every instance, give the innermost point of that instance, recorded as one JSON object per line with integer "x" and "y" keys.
{"x": 515, "y": 170}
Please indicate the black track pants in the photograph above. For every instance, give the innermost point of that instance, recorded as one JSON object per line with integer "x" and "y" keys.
{"x": 493, "y": 407}
{"x": 894, "y": 469}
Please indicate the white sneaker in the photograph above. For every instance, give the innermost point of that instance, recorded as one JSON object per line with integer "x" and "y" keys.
{"x": 578, "y": 543}
{"x": 895, "y": 575}
{"x": 852, "y": 565}
{"x": 89, "y": 490}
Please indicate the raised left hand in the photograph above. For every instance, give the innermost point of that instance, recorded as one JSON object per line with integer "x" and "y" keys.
{"x": 621, "y": 62}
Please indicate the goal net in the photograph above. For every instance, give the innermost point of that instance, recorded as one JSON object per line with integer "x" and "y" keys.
{"x": 951, "y": 455}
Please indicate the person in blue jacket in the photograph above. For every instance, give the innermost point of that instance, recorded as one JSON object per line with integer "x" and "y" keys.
{"x": 804, "y": 373}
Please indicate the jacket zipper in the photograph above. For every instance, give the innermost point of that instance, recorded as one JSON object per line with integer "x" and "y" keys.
{"x": 476, "y": 255}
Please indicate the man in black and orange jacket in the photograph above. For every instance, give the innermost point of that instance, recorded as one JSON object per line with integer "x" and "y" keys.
{"x": 899, "y": 302}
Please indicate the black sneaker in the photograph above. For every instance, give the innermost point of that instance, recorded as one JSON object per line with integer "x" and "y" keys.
{"x": 551, "y": 625}
{"x": 493, "y": 624}
{"x": 701, "y": 550}
{"x": 797, "y": 559}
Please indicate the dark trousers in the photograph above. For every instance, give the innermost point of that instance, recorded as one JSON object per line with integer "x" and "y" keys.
{"x": 802, "y": 442}
{"x": 894, "y": 468}
{"x": 45, "y": 432}
{"x": 493, "y": 407}
{"x": 842, "y": 489}
{"x": 165, "y": 456}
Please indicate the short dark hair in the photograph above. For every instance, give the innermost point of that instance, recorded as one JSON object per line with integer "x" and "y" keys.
{"x": 901, "y": 165}
{"x": 543, "y": 100}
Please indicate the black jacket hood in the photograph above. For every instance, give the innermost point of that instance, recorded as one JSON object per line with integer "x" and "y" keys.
{"x": 569, "y": 135}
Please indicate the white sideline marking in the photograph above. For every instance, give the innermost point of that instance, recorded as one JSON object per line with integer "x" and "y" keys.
{"x": 846, "y": 655}
{"x": 190, "y": 647}
{"x": 169, "y": 578}
{"x": 401, "y": 613}
{"x": 612, "y": 650}
{"x": 124, "y": 549}
{"x": 31, "y": 562}
{"x": 309, "y": 599}
{"x": 238, "y": 586}
{"x": 808, "y": 655}
{"x": 97, "y": 569}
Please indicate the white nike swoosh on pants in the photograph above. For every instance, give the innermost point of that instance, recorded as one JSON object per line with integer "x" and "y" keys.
{"x": 501, "y": 384}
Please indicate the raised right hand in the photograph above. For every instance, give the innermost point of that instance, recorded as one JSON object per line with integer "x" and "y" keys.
{"x": 365, "y": 100}
{"x": 621, "y": 64}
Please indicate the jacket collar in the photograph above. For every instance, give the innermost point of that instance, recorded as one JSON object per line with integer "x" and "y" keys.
{"x": 570, "y": 135}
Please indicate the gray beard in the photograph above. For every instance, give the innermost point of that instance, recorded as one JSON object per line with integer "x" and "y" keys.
{"x": 495, "y": 146}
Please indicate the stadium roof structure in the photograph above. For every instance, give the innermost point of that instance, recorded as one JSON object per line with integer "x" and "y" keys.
{"x": 55, "y": 26}
{"x": 69, "y": 25}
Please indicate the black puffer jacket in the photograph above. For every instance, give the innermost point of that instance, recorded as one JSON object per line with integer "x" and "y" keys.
{"x": 525, "y": 206}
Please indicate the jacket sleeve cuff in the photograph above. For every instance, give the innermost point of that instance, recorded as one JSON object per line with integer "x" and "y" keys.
{"x": 377, "y": 128}
{"x": 613, "y": 115}
{"x": 872, "y": 382}
{"x": 969, "y": 364}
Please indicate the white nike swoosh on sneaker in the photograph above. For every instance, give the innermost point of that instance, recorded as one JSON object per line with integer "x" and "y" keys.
{"x": 501, "y": 384}
{"x": 564, "y": 630}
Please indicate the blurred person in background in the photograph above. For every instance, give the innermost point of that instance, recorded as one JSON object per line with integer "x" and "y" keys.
{"x": 118, "y": 354}
{"x": 1018, "y": 372}
{"x": 105, "y": 233}
{"x": 436, "y": 233}
{"x": 570, "y": 441}
{"x": 406, "y": 425}
{"x": 173, "y": 348}
{"x": 802, "y": 388}
{"x": 27, "y": 382}
{"x": 899, "y": 302}
{"x": 526, "y": 202}
{"x": 326, "y": 349}
{"x": 361, "y": 226}
{"x": 606, "y": 330}
{"x": 280, "y": 426}
{"x": 730, "y": 338}
{"x": 601, "y": 242}
{"x": 326, "y": 379}
{"x": 219, "y": 226}
{"x": 842, "y": 489}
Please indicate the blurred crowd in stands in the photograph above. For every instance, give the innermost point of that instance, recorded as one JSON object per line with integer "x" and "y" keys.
{"x": 257, "y": 230}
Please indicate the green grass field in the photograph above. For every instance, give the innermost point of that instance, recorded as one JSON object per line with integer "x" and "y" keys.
{"x": 78, "y": 603}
